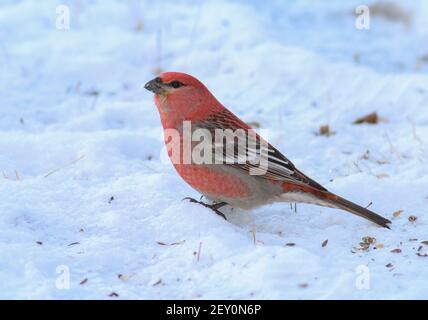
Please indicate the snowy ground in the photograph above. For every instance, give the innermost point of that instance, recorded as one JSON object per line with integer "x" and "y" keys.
{"x": 86, "y": 193}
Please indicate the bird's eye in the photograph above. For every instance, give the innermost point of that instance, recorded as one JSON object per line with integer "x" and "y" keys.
{"x": 176, "y": 84}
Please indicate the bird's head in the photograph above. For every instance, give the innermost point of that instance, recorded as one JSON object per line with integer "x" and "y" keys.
{"x": 181, "y": 96}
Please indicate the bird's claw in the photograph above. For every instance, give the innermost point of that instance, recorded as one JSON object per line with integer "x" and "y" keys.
{"x": 214, "y": 207}
{"x": 190, "y": 199}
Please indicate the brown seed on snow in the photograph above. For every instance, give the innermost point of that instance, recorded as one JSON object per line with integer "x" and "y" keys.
{"x": 397, "y": 213}
{"x": 325, "y": 131}
{"x": 371, "y": 118}
{"x": 368, "y": 240}
{"x": 412, "y": 218}
{"x": 157, "y": 283}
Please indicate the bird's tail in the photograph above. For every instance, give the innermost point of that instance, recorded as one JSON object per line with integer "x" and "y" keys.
{"x": 308, "y": 194}
{"x": 341, "y": 203}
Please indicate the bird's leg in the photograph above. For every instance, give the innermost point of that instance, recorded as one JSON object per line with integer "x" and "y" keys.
{"x": 214, "y": 207}
{"x": 218, "y": 205}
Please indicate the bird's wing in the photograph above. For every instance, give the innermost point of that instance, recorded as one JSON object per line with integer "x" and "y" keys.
{"x": 277, "y": 166}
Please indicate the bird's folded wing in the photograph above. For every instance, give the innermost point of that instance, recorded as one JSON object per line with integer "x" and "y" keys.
{"x": 249, "y": 151}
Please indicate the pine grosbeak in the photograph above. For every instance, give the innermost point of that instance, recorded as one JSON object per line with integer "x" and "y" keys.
{"x": 181, "y": 98}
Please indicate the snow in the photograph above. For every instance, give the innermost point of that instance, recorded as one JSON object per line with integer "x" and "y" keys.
{"x": 88, "y": 192}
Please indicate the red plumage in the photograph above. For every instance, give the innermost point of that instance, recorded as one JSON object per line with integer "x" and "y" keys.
{"x": 180, "y": 97}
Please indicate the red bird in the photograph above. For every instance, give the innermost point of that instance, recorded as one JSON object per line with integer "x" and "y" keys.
{"x": 181, "y": 98}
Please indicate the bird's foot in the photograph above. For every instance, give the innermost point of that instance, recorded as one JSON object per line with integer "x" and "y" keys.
{"x": 214, "y": 207}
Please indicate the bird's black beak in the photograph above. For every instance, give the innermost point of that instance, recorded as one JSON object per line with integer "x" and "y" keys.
{"x": 154, "y": 86}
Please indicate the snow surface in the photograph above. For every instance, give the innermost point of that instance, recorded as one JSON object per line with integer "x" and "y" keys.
{"x": 86, "y": 188}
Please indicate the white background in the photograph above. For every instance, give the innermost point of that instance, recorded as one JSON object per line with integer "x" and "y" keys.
{"x": 77, "y": 128}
